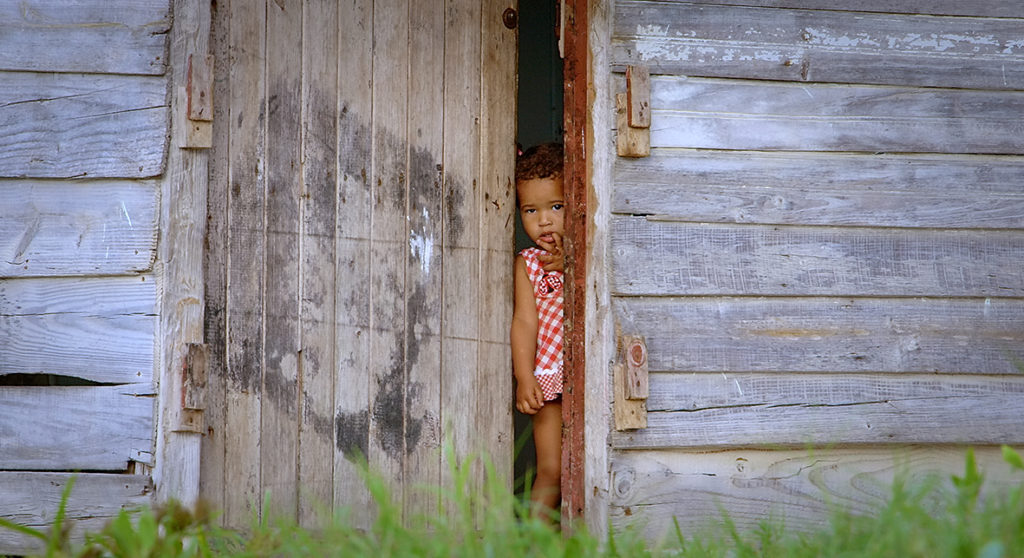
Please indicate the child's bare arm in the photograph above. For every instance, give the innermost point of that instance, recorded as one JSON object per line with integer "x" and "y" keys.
{"x": 529, "y": 398}
{"x": 555, "y": 258}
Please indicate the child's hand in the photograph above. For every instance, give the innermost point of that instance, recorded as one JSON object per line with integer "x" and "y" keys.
{"x": 529, "y": 397}
{"x": 554, "y": 259}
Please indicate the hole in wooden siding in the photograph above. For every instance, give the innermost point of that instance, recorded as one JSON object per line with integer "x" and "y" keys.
{"x": 46, "y": 380}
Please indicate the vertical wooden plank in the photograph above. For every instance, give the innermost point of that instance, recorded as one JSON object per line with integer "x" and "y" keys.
{"x": 246, "y": 203}
{"x": 638, "y": 93}
{"x": 423, "y": 265}
{"x": 577, "y": 78}
{"x": 352, "y": 384}
{"x": 388, "y": 241}
{"x": 213, "y": 463}
{"x": 461, "y": 229}
{"x": 183, "y": 208}
{"x": 319, "y": 206}
{"x": 279, "y": 412}
{"x": 600, "y": 334}
{"x": 497, "y": 166}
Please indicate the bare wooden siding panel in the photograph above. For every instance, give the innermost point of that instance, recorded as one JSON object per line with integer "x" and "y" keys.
{"x": 245, "y": 267}
{"x": 651, "y": 489}
{"x": 32, "y": 500}
{"x": 897, "y": 335}
{"x": 78, "y": 125}
{"x": 460, "y": 318}
{"x": 317, "y": 361}
{"x": 758, "y": 115}
{"x": 279, "y": 412}
{"x": 88, "y": 36}
{"x": 938, "y": 191}
{"x": 355, "y": 202}
{"x": 701, "y": 392}
{"x": 769, "y": 410}
{"x": 665, "y": 258}
{"x": 92, "y": 228}
{"x": 389, "y": 243}
{"x": 98, "y": 329}
{"x": 820, "y": 45}
{"x": 423, "y": 263}
{"x": 97, "y": 428}
{"x": 497, "y": 170}
{"x": 979, "y": 8}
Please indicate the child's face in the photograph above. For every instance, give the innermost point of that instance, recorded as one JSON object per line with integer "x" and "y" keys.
{"x": 542, "y": 207}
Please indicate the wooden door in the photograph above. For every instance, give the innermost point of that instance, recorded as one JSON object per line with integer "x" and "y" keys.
{"x": 359, "y": 247}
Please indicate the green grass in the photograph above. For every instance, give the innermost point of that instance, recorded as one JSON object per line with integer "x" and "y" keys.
{"x": 926, "y": 519}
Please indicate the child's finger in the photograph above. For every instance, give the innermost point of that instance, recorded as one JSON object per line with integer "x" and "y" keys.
{"x": 525, "y": 407}
{"x": 548, "y": 247}
{"x": 538, "y": 397}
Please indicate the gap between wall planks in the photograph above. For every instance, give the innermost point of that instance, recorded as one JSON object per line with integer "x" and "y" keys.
{"x": 577, "y": 132}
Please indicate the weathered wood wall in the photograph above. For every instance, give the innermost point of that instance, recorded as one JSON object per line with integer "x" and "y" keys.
{"x": 823, "y": 249}
{"x": 357, "y": 294}
{"x": 83, "y": 133}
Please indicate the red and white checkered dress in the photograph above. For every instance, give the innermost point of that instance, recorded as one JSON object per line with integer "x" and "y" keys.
{"x": 547, "y": 291}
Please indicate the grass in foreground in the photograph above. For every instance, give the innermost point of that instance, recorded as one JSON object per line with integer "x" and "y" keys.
{"x": 923, "y": 520}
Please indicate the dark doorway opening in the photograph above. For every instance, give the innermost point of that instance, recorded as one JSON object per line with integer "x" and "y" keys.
{"x": 539, "y": 120}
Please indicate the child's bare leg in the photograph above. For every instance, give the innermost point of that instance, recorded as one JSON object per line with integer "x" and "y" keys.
{"x": 547, "y": 437}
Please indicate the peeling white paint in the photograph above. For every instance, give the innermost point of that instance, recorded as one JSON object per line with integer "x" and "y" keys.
{"x": 1012, "y": 45}
{"x": 653, "y": 48}
{"x": 422, "y": 246}
{"x": 823, "y": 37}
{"x": 769, "y": 55}
{"x": 651, "y": 30}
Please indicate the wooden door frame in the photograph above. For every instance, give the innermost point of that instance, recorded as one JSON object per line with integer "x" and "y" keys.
{"x": 181, "y": 353}
{"x": 573, "y": 30}
{"x": 590, "y": 338}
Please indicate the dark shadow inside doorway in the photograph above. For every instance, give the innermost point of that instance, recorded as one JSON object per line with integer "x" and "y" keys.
{"x": 539, "y": 120}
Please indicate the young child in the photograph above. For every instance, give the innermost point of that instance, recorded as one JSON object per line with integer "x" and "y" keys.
{"x": 536, "y": 334}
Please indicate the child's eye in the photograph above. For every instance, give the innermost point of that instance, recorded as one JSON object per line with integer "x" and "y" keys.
{"x": 529, "y": 211}
{"x": 557, "y": 207}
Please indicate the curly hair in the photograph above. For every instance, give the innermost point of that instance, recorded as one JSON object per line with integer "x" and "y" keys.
{"x": 540, "y": 161}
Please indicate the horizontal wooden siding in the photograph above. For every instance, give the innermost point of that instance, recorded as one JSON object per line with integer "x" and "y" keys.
{"x": 83, "y": 130}
{"x": 823, "y": 250}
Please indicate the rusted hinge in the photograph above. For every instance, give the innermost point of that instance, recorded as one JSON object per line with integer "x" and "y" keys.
{"x": 193, "y": 389}
{"x": 631, "y": 384}
{"x": 633, "y": 114}
{"x": 199, "y": 102}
